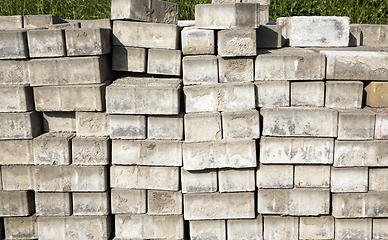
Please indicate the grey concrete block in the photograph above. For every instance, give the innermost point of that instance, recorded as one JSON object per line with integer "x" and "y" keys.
{"x": 245, "y": 229}
{"x": 355, "y": 35}
{"x": 128, "y": 201}
{"x": 11, "y": 22}
{"x": 16, "y": 98}
{"x": 165, "y": 127}
{"x": 314, "y": 98}
{"x": 245, "y": 124}
{"x": 25, "y": 125}
{"x": 380, "y": 227}
{"x": 17, "y": 177}
{"x": 279, "y": 227}
{"x": 200, "y": 69}
{"x": 40, "y": 21}
{"x": 349, "y": 179}
{"x": 344, "y": 94}
{"x": 91, "y": 151}
{"x": 197, "y": 41}
{"x": 97, "y": 23}
{"x": 199, "y": 181}
{"x": 14, "y": 72}
{"x": 316, "y": 227}
{"x": 201, "y": 127}
{"x": 356, "y": 125}
{"x": 129, "y": 59}
{"x": 164, "y": 202}
{"x": 186, "y": 23}
{"x": 236, "y": 69}
{"x": 236, "y": 180}
{"x": 16, "y": 203}
{"x": 208, "y": 229}
{"x": 378, "y": 179}
{"x": 315, "y": 176}
{"x": 59, "y": 122}
{"x": 272, "y": 93}
{"x": 53, "y": 204}
{"x": 264, "y": 13}
{"x": 89, "y": 204}
{"x": 53, "y": 148}
{"x": 374, "y": 35}
{"x": 353, "y": 229}
{"x": 128, "y": 127}
{"x": 275, "y": 176}
{"x": 376, "y": 93}
{"x": 18, "y": 152}
{"x": 46, "y": 43}
{"x": 164, "y": 62}
{"x": 269, "y": 36}
{"x": 68, "y": 25}
{"x": 21, "y": 227}
{"x": 13, "y": 44}
{"x": 88, "y": 41}
{"x": 237, "y": 43}
{"x": 203, "y": 206}
{"x": 92, "y": 124}
{"x": 381, "y": 125}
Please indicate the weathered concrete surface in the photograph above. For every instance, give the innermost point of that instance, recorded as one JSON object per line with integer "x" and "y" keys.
{"x": 380, "y": 227}
{"x": 374, "y": 35}
{"x": 128, "y": 201}
{"x": 208, "y": 229}
{"x": 199, "y": 181}
{"x": 355, "y": 35}
{"x": 164, "y": 202}
{"x": 98, "y": 23}
{"x": 314, "y": 176}
{"x": 316, "y": 227}
{"x": 244, "y": 124}
{"x": 279, "y": 227}
{"x": 376, "y": 94}
{"x": 315, "y": 98}
{"x": 344, "y": 94}
{"x": 164, "y": 62}
{"x": 270, "y": 36}
{"x": 200, "y": 127}
{"x": 17, "y": 178}
{"x": 92, "y": 124}
{"x": 13, "y": 44}
{"x": 236, "y": 180}
{"x": 89, "y": 204}
{"x": 59, "y": 122}
{"x": 197, "y": 41}
{"x": 88, "y": 42}
{"x": 349, "y": 179}
{"x": 165, "y": 127}
{"x": 21, "y": 227}
{"x": 378, "y": 179}
{"x": 353, "y": 229}
{"x": 46, "y": 43}
{"x": 18, "y": 152}
{"x": 236, "y": 69}
{"x": 356, "y": 125}
{"x": 381, "y": 126}
{"x": 26, "y": 125}
{"x": 16, "y": 203}
{"x": 128, "y": 126}
{"x": 129, "y": 59}
{"x": 272, "y": 93}
{"x": 14, "y": 72}
{"x": 275, "y": 176}
{"x": 11, "y": 22}
{"x": 200, "y": 69}
{"x": 53, "y": 148}
{"x": 16, "y": 98}
{"x": 53, "y": 204}
{"x": 245, "y": 229}
{"x": 91, "y": 151}
{"x": 237, "y": 43}
{"x": 40, "y": 21}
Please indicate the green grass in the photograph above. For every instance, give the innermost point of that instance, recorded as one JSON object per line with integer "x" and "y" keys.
{"x": 359, "y": 11}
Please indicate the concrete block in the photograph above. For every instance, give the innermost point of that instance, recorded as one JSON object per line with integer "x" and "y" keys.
{"x": 59, "y": 122}
{"x": 86, "y": 204}
{"x": 244, "y": 124}
{"x": 11, "y": 22}
{"x": 68, "y": 25}
{"x": 269, "y": 36}
{"x": 164, "y": 62}
{"x": 91, "y": 151}
{"x": 374, "y": 35}
{"x": 264, "y": 13}
{"x": 378, "y": 179}
{"x": 208, "y": 229}
{"x": 227, "y": 15}
{"x": 236, "y": 69}
{"x": 344, "y": 94}
{"x": 220, "y": 97}
{"x": 128, "y": 201}
{"x": 16, "y": 98}
{"x": 186, "y": 23}
{"x": 262, "y": 2}
{"x": 327, "y": 31}
{"x": 355, "y": 35}
{"x": 61, "y": 98}
{"x": 18, "y": 152}
{"x": 26, "y": 125}
{"x": 356, "y": 125}
{"x": 199, "y": 181}
{"x": 144, "y": 177}
{"x": 316, "y": 227}
{"x": 305, "y": 122}
{"x": 144, "y": 96}
{"x": 53, "y": 204}
{"x": 153, "y": 35}
{"x": 381, "y": 125}
{"x": 46, "y": 43}
{"x": 149, "y": 227}
{"x": 88, "y": 41}
{"x": 272, "y": 93}
{"x": 197, "y": 41}
{"x": 129, "y": 59}
{"x": 14, "y": 72}
{"x": 297, "y": 202}
{"x": 349, "y": 179}
{"x": 147, "y": 152}
{"x": 92, "y": 124}
{"x": 245, "y": 229}
{"x": 275, "y": 176}
{"x": 203, "y": 206}
{"x": 219, "y": 154}
{"x": 236, "y": 180}
{"x": 315, "y": 176}
{"x": 200, "y": 69}
{"x": 41, "y": 21}
{"x": 164, "y": 202}
{"x": 53, "y": 148}
{"x": 18, "y": 177}
{"x": 165, "y": 127}
{"x": 202, "y": 127}
{"x": 380, "y": 227}
{"x": 237, "y": 43}
{"x": 279, "y": 227}
{"x": 376, "y": 94}
{"x": 13, "y": 44}
{"x": 366, "y": 65}
{"x": 21, "y": 227}
{"x": 315, "y": 98}
{"x": 55, "y": 71}
{"x": 361, "y": 153}
{"x": 290, "y": 64}
{"x": 128, "y": 127}
{"x": 97, "y": 23}
{"x": 16, "y": 203}
{"x": 353, "y": 229}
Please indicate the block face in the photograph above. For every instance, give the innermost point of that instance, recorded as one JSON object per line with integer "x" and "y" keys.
{"x": 18, "y": 177}
{"x": 199, "y": 181}
{"x": 128, "y": 126}
{"x": 16, "y": 203}
{"x": 353, "y": 229}
{"x": 21, "y": 227}
{"x": 245, "y": 229}
{"x": 165, "y": 127}
{"x": 18, "y": 126}
{"x": 316, "y": 98}
{"x": 16, "y": 99}
{"x": 237, "y": 42}
{"x": 86, "y": 204}
{"x": 376, "y": 93}
{"x": 129, "y": 59}
{"x": 91, "y": 151}
{"x": 236, "y": 180}
{"x": 297, "y": 202}
{"x": 46, "y": 43}
{"x": 40, "y": 21}
{"x": 53, "y": 148}
{"x": 13, "y": 44}
{"x": 200, "y": 69}
{"x": 208, "y": 229}
{"x": 164, "y": 62}
{"x": 59, "y": 122}
{"x": 197, "y": 41}
{"x": 316, "y": 227}
{"x": 273, "y": 93}
{"x": 269, "y": 36}
{"x": 275, "y": 176}
{"x": 218, "y": 206}
{"x": 11, "y": 22}
{"x": 378, "y": 179}
{"x": 276, "y": 227}
{"x": 98, "y": 23}
{"x": 14, "y": 72}
{"x": 380, "y": 227}
{"x": 344, "y": 94}
{"x": 128, "y": 201}
{"x": 236, "y": 69}
{"x": 18, "y": 152}
{"x": 317, "y": 176}
{"x": 374, "y": 35}
{"x": 92, "y": 124}
{"x": 53, "y": 204}
{"x": 244, "y": 124}
{"x": 202, "y": 127}
{"x": 349, "y": 179}
{"x": 88, "y": 42}
{"x": 381, "y": 125}
{"x": 164, "y": 202}
{"x": 356, "y": 125}
{"x": 296, "y": 150}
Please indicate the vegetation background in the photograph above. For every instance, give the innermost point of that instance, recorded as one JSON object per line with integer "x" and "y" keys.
{"x": 359, "y": 11}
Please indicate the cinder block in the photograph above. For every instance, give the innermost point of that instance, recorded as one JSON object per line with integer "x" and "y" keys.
{"x": 88, "y": 41}
{"x": 18, "y": 126}
{"x": 21, "y": 227}
{"x": 244, "y": 124}
{"x": 316, "y": 176}
{"x": 55, "y": 71}
{"x": 219, "y": 154}
{"x": 378, "y": 179}
{"x": 128, "y": 201}
{"x": 296, "y": 202}
{"x": 296, "y": 150}
{"x": 236, "y": 180}
{"x": 199, "y": 181}
{"x": 59, "y": 122}
{"x": 200, "y": 69}
{"x": 316, "y": 227}
{"x": 381, "y": 125}
{"x": 227, "y": 15}
{"x": 86, "y": 204}
{"x": 18, "y": 177}
{"x": 143, "y": 177}
{"x": 40, "y": 21}
{"x": 269, "y": 36}
{"x": 98, "y": 23}
{"x": 14, "y": 72}
{"x": 380, "y": 228}
{"x": 16, "y": 98}
{"x": 53, "y": 148}
{"x": 245, "y": 229}
{"x": 53, "y": 204}
{"x": 238, "y": 69}
{"x": 305, "y": 122}
{"x": 11, "y": 22}
{"x": 374, "y": 35}
{"x": 275, "y": 176}
{"x": 91, "y": 151}
{"x": 202, "y": 127}
{"x": 220, "y": 97}
{"x": 164, "y": 62}
{"x": 16, "y": 152}
{"x": 344, "y": 94}
{"x": 290, "y": 64}
{"x": 46, "y": 43}
{"x": 92, "y": 124}
{"x": 150, "y": 35}
{"x": 129, "y": 59}
{"x": 197, "y": 41}
{"x": 272, "y": 93}
{"x": 353, "y": 229}
{"x": 208, "y": 229}
{"x": 149, "y": 227}
{"x": 144, "y": 96}
{"x": 16, "y": 203}
{"x": 13, "y": 44}
{"x": 165, "y": 127}
{"x": 356, "y": 125}
{"x": 349, "y": 179}
{"x": 376, "y": 94}
{"x": 128, "y": 127}
{"x": 315, "y": 98}
{"x": 327, "y": 31}
{"x": 61, "y": 98}
{"x": 237, "y": 42}
{"x": 203, "y": 206}
{"x": 164, "y": 202}
{"x": 278, "y": 227}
